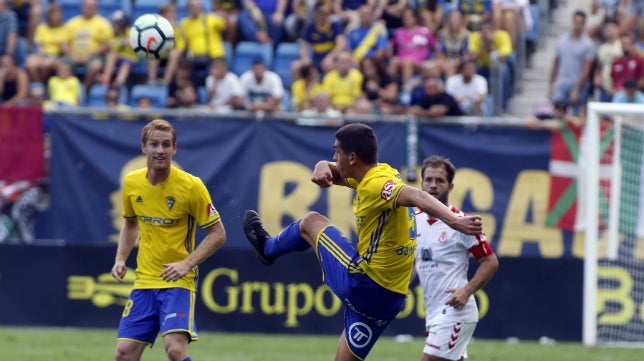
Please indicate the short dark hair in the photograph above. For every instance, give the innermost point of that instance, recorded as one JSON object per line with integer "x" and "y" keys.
{"x": 438, "y": 161}
{"x": 360, "y": 139}
{"x": 580, "y": 13}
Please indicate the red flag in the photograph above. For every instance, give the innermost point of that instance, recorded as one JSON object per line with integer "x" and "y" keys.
{"x": 21, "y": 143}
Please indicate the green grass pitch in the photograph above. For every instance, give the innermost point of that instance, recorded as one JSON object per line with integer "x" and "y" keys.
{"x": 75, "y": 344}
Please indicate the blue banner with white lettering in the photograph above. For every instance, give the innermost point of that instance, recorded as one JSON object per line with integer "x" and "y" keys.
{"x": 266, "y": 165}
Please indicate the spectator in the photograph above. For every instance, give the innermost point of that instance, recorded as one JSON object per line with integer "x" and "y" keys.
{"x": 113, "y": 98}
{"x": 475, "y": 12}
{"x": 47, "y": 43}
{"x": 603, "y": 11}
{"x": 14, "y": 82}
{"x": 203, "y": 34}
{"x": 453, "y": 43}
{"x": 305, "y": 88}
{"x": 571, "y": 67}
{"x": 629, "y": 93}
{"x": 369, "y": 38}
{"x": 434, "y": 102}
{"x": 224, "y": 88}
{"x": 431, "y": 13}
{"x": 629, "y": 65}
{"x": 300, "y": 16}
{"x": 360, "y": 107}
{"x": 469, "y": 89}
{"x": 88, "y": 41}
{"x": 8, "y": 30}
{"x": 633, "y": 17}
{"x": 28, "y": 14}
{"x": 607, "y": 52}
{"x": 556, "y": 121}
{"x": 348, "y": 10}
{"x": 377, "y": 86}
{"x": 491, "y": 48}
{"x": 392, "y": 13}
{"x": 263, "y": 20}
{"x": 414, "y": 87}
{"x": 263, "y": 89}
{"x": 510, "y": 14}
{"x": 168, "y": 11}
{"x": 121, "y": 58}
{"x": 344, "y": 84}
{"x": 320, "y": 112}
{"x": 144, "y": 103}
{"x": 64, "y": 88}
{"x": 409, "y": 46}
{"x": 181, "y": 77}
{"x": 36, "y": 96}
{"x": 323, "y": 38}
{"x": 187, "y": 97}
{"x": 229, "y": 10}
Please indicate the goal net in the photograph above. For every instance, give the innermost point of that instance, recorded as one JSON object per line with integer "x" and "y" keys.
{"x": 613, "y": 182}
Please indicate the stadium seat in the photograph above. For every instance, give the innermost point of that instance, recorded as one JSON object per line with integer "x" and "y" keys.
{"x": 285, "y": 55}
{"x": 158, "y": 94}
{"x": 141, "y": 7}
{"x": 247, "y": 52}
{"x": 96, "y": 96}
{"x": 287, "y": 105}
{"x": 202, "y": 95}
{"x": 228, "y": 48}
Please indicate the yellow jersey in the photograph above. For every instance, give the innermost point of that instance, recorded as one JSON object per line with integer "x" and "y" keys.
{"x": 501, "y": 42}
{"x": 86, "y": 36}
{"x": 343, "y": 90}
{"x": 167, "y": 214}
{"x": 121, "y": 45}
{"x": 50, "y": 39}
{"x": 64, "y": 90}
{"x": 386, "y": 233}
{"x": 203, "y": 35}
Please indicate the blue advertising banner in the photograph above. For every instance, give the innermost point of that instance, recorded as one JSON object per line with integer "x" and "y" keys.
{"x": 246, "y": 164}
{"x": 528, "y": 298}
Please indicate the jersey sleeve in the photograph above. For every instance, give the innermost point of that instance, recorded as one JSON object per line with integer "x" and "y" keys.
{"x": 201, "y": 206}
{"x": 128, "y": 211}
{"x": 481, "y": 247}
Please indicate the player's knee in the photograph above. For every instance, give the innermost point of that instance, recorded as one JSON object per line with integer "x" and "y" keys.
{"x": 175, "y": 352}
{"x": 120, "y": 354}
{"x": 312, "y": 223}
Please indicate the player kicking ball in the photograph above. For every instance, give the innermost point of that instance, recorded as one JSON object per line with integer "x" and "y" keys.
{"x": 442, "y": 257}
{"x": 372, "y": 277}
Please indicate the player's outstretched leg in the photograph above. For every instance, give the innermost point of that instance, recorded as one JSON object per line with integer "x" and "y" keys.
{"x": 257, "y": 235}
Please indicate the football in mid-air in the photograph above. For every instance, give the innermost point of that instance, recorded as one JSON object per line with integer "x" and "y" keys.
{"x": 152, "y": 37}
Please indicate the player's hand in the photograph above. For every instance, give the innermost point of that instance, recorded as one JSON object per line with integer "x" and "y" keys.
{"x": 322, "y": 175}
{"x": 174, "y": 271}
{"x": 459, "y": 298}
{"x": 471, "y": 225}
{"x": 119, "y": 270}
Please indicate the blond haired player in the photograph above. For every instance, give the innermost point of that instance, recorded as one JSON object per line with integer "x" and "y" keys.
{"x": 162, "y": 205}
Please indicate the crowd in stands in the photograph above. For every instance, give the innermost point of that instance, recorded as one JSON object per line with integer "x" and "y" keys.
{"x": 429, "y": 58}
{"x": 362, "y": 54}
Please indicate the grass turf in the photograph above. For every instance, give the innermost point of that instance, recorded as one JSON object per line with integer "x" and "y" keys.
{"x": 76, "y": 344}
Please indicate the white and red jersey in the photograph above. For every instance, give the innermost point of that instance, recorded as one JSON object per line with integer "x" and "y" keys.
{"x": 441, "y": 263}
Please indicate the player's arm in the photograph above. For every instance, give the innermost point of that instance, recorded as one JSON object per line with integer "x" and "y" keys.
{"x": 487, "y": 268}
{"x": 414, "y": 197}
{"x": 327, "y": 174}
{"x": 215, "y": 238}
{"x": 127, "y": 238}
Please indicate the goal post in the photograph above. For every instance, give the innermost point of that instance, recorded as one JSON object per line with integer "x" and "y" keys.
{"x": 612, "y": 180}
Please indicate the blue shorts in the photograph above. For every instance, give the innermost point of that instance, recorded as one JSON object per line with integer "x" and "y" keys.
{"x": 368, "y": 306}
{"x": 165, "y": 310}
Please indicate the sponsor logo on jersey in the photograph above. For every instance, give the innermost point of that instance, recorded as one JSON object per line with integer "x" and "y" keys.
{"x": 211, "y": 210}
{"x": 443, "y": 237}
{"x": 170, "y": 200}
{"x": 159, "y": 221}
{"x": 139, "y": 199}
{"x": 388, "y": 190}
{"x": 359, "y": 334}
{"x": 173, "y": 315}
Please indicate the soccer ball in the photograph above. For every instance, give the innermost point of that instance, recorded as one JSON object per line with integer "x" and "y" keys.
{"x": 151, "y": 37}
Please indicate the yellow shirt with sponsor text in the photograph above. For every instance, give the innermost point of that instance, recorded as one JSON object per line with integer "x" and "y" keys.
{"x": 386, "y": 233}
{"x": 86, "y": 36}
{"x": 167, "y": 214}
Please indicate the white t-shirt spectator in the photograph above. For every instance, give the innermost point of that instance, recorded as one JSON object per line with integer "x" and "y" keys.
{"x": 226, "y": 88}
{"x": 467, "y": 93}
{"x": 271, "y": 85}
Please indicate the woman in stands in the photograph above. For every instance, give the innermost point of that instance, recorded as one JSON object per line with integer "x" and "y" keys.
{"x": 47, "y": 46}
{"x": 14, "y": 82}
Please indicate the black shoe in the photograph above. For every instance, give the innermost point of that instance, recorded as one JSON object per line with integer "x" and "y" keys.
{"x": 257, "y": 235}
